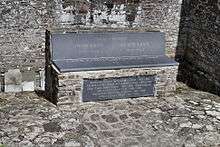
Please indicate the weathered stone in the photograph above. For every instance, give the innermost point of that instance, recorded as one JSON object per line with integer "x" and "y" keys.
{"x": 186, "y": 131}
{"x": 135, "y": 115}
{"x": 131, "y": 132}
{"x": 187, "y": 125}
{"x": 118, "y": 125}
{"x": 28, "y": 79}
{"x": 13, "y": 80}
{"x": 123, "y": 117}
{"x": 72, "y": 144}
{"x": 68, "y": 125}
{"x": 196, "y": 126}
{"x": 91, "y": 126}
{"x": 95, "y": 117}
{"x": 207, "y": 106}
{"x": 13, "y": 77}
{"x": 52, "y": 127}
{"x": 110, "y": 118}
{"x": 193, "y": 102}
{"x": 209, "y": 127}
{"x": 213, "y": 113}
{"x": 157, "y": 110}
{"x": 81, "y": 129}
{"x": 103, "y": 126}
{"x": 108, "y": 134}
{"x": 200, "y": 56}
{"x": 131, "y": 144}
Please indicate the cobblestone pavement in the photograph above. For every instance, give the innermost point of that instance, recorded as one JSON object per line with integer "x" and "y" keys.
{"x": 190, "y": 118}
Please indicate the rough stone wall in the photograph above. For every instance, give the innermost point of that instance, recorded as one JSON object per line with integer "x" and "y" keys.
{"x": 199, "y": 45}
{"x": 69, "y": 85}
{"x": 23, "y": 23}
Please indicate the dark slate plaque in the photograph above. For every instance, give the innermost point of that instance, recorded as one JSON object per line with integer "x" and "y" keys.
{"x": 96, "y": 51}
{"x": 116, "y": 88}
{"x": 99, "y": 51}
{"x": 71, "y": 46}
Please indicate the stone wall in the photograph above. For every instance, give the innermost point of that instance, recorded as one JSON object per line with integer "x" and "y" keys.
{"x": 68, "y": 86}
{"x": 23, "y": 23}
{"x": 199, "y": 45}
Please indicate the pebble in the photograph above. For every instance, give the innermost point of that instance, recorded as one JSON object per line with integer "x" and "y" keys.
{"x": 156, "y": 110}
{"x": 201, "y": 116}
{"x": 209, "y": 127}
{"x": 193, "y": 102}
{"x": 72, "y": 144}
{"x": 207, "y": 106}
{"x": 196, "y": 126}
{"x": 213, "y": 113}
{"x": 186, "y": 125}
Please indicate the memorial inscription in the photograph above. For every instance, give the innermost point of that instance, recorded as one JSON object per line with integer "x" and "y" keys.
{"x": 116, "y": 88}
{"x": 96, "y": 45}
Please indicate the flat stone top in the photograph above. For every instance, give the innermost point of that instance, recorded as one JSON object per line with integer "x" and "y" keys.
{"x": 112, "y": 50}
{"x": 113, "y": 63}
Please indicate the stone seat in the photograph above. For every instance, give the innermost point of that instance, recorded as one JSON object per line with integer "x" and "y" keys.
{"x": 101, "y": 51}
{"x": 83, "y": 67}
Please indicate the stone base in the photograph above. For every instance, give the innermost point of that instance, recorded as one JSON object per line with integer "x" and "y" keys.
{"x": 67, "y": 87}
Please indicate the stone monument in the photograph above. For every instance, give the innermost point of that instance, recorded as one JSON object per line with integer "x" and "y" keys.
{"x": 83, "y": 67}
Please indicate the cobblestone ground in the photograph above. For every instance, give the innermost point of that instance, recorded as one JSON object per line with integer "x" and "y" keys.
{"x": 190, "y": 118}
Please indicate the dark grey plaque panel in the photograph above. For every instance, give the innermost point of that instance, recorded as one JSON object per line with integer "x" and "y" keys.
{"x": 116, "y": 88}
{"x": 97, "y": 45}
{"x": 96, "y": 51}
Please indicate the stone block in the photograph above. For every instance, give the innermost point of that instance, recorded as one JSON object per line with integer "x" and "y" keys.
{"x": 13, "y": 77}
{"x": 28, "y": 86}
{"x": 13, "y": 80}
{"x": 72, "y": 86}
{"x": 28, "y": 78}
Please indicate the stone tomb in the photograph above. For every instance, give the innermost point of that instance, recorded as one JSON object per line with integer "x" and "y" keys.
{"x": 82, "y": 67}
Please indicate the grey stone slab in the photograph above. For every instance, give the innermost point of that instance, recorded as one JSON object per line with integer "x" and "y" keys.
{"x": 113, "y": 63}
{"x": 28, "y": 86}
{"x": 13, "y": 77}
{"x": 13, "y": 88}
{"x": 116, "y": 88}
{"x": 97, "y": 45}
{"x": 92, "y": 51}
{"x": 28, "y": 76}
